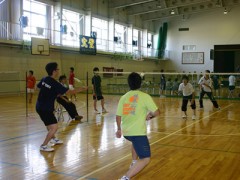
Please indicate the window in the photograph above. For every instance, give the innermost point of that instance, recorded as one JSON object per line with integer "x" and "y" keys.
{"x": 137, "y": 43}
{"x": 34, "y": 20}
{"x": 70, "y": 28}
{"x": 100, "y": 27}
{"x": 120, "y": 37}
{"x": 150, "y": 45}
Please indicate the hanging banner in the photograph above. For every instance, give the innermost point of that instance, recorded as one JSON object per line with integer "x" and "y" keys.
{"x": 88, "y": 45}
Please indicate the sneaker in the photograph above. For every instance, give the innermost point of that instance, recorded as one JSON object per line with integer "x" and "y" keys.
{"x": 78, "y": 117}
{"x": 193, "y": 117}
{"x": 56, "y": 141}
{"x": 104, "y": 111}
{"x": 46, "y": 148}
{"x": 218, "y": 108}
{"x": 96, "y": 111}
{"x": 125, "y": 178}
{"x": 184, "y": 116}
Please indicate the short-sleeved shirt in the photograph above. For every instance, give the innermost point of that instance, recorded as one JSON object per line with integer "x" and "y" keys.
{"x": 163, "y": 79}
{"x": 175, "y": 85}
{"x": 215, "y": 79}
{"x": 31, "y": 81}
{"x": 187, "y": 90}
{"x": 133, "y": 108}
{"x": 71, "y": 78}
{"x": 96, "y": 82}
{"x": 232, "y": 80}
{"x": 202, "y": 81}
{"x": 49, "y": 90}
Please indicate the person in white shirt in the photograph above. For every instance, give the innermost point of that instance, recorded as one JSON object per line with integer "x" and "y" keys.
{"x": 188, "y": 95}
{"x": 231, "y": 86}
{"x": 205, "y": 85}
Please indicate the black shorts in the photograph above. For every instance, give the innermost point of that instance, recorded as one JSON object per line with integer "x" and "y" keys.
{"x": 98, "y": 97}
{"x": 47, "y": 117}
{"x": 231, "y": 88}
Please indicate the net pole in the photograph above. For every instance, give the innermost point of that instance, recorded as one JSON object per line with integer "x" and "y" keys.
{"x": 87, "y": 95}
{"x": 26, "y": 96}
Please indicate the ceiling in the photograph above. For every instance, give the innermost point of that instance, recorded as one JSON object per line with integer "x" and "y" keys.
{"x": 150, "y": 10}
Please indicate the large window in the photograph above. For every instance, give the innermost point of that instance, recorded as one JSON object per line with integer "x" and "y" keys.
{"x": 120, "y": 38}
{"x": 34, "y": 20}
{"x": 150, "y": 45}
{"x": 100, "y": 29}
{"x": 70, "y": 28}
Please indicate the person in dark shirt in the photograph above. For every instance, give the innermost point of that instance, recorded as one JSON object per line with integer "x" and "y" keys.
{"x": 97, "y": 91}
{"x": 162, "y": 84}
{"x": 50, "y": 89}
{"x": 68, "y": 105}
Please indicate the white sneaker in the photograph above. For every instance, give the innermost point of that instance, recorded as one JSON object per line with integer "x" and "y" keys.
{"x": 193, "y": 117}
{"x": 104, "y": 111}
{"x": 56, "y": 141}
{"x": 184, "y": 116}
{"x": 96, "y": 112}
{"x": 46, "y": 148}
{"x": 125, "y": 178}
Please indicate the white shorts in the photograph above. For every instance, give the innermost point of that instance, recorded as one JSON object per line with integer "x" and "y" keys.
{"x": 71, "y": 87}
{"x": 30, "y": 90}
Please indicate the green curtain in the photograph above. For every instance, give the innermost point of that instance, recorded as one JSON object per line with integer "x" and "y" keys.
{"x": 162, "y": 38}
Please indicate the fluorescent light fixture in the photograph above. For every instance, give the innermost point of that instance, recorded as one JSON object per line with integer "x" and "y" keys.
{"x": 225, "y": 11}
{"x": 172, "y": 11}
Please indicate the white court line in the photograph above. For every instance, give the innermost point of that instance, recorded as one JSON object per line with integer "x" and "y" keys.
{"x": 104, "y": 167}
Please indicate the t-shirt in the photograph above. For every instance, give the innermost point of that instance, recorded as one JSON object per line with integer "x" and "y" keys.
{"x": 163, "y": 79}
{"x": 202, "y": 81}
{"x": 96, "y": 82}
{"x": 71, "y": 78}
{"x": 232, "y": 80}
{"x": 187, "y": 90}
{"x": 31, "y": 81}
{"x": 133, "y": 108}
{"x": 49, "y": 90}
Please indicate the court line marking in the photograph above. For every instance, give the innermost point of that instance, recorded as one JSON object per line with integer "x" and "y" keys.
{"x": 213, "y": 135}
{"x": 104, "y": 167}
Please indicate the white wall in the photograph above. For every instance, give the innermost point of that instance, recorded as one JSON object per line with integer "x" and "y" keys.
{"x": 205, "y": 31}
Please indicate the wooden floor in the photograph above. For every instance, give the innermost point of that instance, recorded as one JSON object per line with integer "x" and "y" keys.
{"x": 205, "y": 148}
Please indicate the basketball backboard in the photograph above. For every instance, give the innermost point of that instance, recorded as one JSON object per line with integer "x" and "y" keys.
{"x": 40, "y": 46}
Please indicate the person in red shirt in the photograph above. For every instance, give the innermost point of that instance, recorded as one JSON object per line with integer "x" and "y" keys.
{"x": 31, "y": 81}
{"x": 71, "y": 82}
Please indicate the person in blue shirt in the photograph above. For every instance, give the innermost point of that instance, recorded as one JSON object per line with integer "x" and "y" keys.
{"x": 50, "y": 89}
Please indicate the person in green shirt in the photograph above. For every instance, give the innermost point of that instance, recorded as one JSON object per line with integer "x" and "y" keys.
{"x": 134, "y": 108}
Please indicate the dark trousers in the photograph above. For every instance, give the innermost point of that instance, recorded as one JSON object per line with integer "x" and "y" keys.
{"x": 211, "y": 97}
{"x": 69, "y": 106}
{"x": 185, "y": 102}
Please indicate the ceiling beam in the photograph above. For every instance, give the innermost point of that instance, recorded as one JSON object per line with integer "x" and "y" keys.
{"x": 158, "y": 6}
{"x": 126, "y": 3}
{"x": 185, "y": 10}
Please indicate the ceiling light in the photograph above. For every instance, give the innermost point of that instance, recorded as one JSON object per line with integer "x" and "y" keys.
{"x": 225, "y": 11}
{"x": 172, "y": 11}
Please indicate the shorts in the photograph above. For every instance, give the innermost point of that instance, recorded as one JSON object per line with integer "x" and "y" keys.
{"x": 71, "y": 87}
{"x": 29, "y": 90}
{"x": 163, "y": 86}
{"x": 231, "y": 88}
{"x": 97, "y": 97}
{"x": 141, "y": 145}
{"x": 47, "y": 117}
